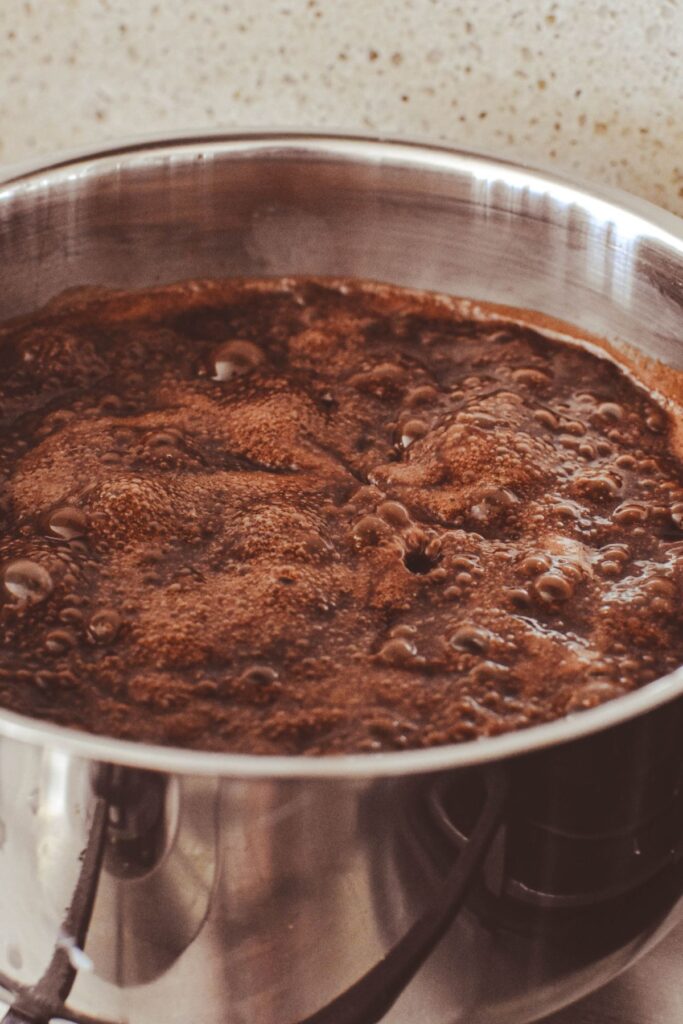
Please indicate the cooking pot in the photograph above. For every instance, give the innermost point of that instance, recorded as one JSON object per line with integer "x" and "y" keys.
{"x": 490, "y": 881}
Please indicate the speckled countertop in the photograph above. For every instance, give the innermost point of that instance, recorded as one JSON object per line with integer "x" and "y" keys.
{"x": 592, "y": 88}
{"x": 595, "y": 88}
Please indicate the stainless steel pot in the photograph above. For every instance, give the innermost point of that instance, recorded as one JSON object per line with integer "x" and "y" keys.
{"x": 492, "y": 881}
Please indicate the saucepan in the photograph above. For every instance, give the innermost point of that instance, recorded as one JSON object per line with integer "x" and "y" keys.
{"x": 490, "y": 881}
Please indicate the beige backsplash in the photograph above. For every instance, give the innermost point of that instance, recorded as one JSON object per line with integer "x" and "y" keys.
{"x": 594, "y": 89}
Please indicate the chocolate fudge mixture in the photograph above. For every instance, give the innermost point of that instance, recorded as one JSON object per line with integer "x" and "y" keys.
{"x": 316, "y": 517}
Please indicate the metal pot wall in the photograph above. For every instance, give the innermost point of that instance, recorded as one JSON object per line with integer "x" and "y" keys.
{"x": 492, "y": 881}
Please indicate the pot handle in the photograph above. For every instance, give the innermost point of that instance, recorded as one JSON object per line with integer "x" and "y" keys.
{"x": 372, "y": 996}
{"x": 365, "y": 1002}
{"x": 45, "y": 1000}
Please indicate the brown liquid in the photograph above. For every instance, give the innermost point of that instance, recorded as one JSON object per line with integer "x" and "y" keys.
{"x": 296, "y": 517}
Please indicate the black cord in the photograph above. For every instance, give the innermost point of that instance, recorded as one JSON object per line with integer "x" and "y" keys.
{"x": 372, "y": 996}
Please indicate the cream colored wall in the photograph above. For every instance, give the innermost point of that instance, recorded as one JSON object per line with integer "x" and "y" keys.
{"x": 593, "y": 88}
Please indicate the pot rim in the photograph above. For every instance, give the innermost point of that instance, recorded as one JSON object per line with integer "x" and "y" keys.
{"x": 636, "y": 217}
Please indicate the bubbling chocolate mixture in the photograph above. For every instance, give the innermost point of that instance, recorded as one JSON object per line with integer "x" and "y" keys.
{"x": 317, "y": 517}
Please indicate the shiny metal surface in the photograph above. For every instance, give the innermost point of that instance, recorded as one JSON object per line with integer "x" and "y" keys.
{"x": 244, "y": 889}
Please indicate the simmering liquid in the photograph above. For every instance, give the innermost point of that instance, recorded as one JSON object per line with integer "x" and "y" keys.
{"x": 307, "y": 517}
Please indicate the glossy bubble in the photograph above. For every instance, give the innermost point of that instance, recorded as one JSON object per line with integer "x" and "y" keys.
{"x": 530, "y": 377}
{"x": 26, "y": 581}
{"x": 610, "y": 412}
{"x": 400, "y": 651}
{"x": 67, "y": 523}
{"x": 535, "y": 564}
{"x": 58, "y": 641}
{"x": 369, "y": 531}
{"x": 235, "y": 358}
{"x": 600, "y": 487}
{"x": 170, "y": 438}
{"x": 661, "y": 586}
{"x": 630, "y": 513}
{"x": 104, "y": 625}
{"x": 403, "y": 629}
{"x": 552, "y": 587}
{"x": 394, "y": 513}
{"x": 471, "y": 639}
{"x": 412, "y": 431}
{"x": 423, "y": 395}
{"x": 259, "y": 675}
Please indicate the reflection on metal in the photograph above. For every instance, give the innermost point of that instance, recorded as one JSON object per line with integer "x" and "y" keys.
{"x": 369, "y": 999}
{"x": 45, "y": 1000}
{"x": 159, "y": 870}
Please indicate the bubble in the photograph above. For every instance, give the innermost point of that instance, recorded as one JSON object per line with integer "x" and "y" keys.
{"x": 315, "y": 545}
{"x": 401, "y": 652}
{"x": 425, "y": 394}
{"x": 509, "y": 398}
{"x": 519, "y": 598}
{"x": 530, "y": 377}
{"x": 58, "y": 641}
{"x": 235, "y": 358}
{"x": 26, "y": 581}
{"x": 630, "y": 513}
{"x": 412, "y": 431}
{"x": 677, "y": 515}
{"x": 465, "y": 562}
{"x": 648, "y": 466}
{"x": 546, "y": 418}
{"x": 67, "y": 523}
{"x": 566, "y": 510}
{"x": 104, "y": 626}
{"x": 493, "y": 501}
{"x": 369, "y": 531}
{"x": 394, "y": 513}
{"x": 574, "y": 427}
{"x": 71, "y": 616}
{"x": 403, "y": 629}
{"x": 164, "y": 439}
{"x": 259, "y": 675}
{"x": 600, "y": 487}
{"x": 612, "y": 412}
{"x": 660, "y": 606}
{"x": 552, "y": 587}
{"x": 662, "y": 586}
{"x": 382, "y": 380}
{"x": 111, "y": 404}
{"x": 471, "y": 639}
{"x": 535, "y": 564}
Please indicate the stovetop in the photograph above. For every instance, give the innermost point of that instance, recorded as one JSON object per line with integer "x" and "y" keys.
{"x": 650, "y": 993}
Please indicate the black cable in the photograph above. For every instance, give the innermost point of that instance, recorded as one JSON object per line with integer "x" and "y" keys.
{"x": 372, "y": 996}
